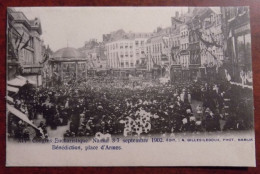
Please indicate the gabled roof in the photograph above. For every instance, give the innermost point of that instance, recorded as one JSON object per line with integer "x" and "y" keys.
{"x": 19, "y": 17}
{"x": 204, "y": 13}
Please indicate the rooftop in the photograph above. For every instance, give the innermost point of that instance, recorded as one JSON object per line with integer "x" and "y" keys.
{"x": 67, "y": 53}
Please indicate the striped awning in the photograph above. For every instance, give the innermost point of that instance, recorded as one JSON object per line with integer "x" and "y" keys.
{"x": 12, "y": 89}
{"x": 10, "y": 99}
{"x": 20, "y": 115}
{"x": 20, "y": 81}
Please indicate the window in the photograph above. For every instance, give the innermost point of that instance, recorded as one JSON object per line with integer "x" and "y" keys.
{"x": 211, "y": 18}
{"x": 136, "y": 42}
{"x": 244, "y": 49}
{"x": 131, "y": 54}
{"x": 217, "y": 20}
{"x": 31, "y": 42}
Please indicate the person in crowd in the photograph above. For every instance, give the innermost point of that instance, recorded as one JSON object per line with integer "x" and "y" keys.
{"x": 119, "y": 107}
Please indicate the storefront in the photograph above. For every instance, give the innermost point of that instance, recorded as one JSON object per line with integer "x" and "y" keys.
{"x": 176, "y": 73}
{"x": 239, "y": 47}
{"x": 33, "y": 73}
{"x": 183, "y": 74}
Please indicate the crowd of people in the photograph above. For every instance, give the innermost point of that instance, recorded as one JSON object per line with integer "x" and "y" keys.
{"x": 134, "y": 108}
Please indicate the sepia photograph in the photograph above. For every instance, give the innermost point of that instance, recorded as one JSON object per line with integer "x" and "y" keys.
{"x": 101, "y": 80}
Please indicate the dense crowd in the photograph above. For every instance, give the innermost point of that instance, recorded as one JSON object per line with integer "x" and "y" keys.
{"x": 135, "y": 108}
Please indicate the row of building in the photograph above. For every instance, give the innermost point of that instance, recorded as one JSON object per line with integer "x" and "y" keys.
{"x": 197, "y": 43}
{"x": 194, "y": 40}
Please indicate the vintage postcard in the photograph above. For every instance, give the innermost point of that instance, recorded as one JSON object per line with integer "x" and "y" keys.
{"x": 129, "y": 86}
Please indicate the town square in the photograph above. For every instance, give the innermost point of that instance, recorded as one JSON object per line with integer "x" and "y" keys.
{"x": 193, "y": 76}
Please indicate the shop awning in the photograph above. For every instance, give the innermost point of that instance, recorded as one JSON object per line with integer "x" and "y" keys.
{"x": 10, "y": 99}
{"x": 20, "y": 81}
{"x": 12, "y": 89}
{"x": 25, "y": 79}
{"x": 20, "y": 115}
{"x": 16, "y": 82}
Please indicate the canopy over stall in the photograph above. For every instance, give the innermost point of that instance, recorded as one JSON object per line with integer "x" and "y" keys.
{"x": 20, "y": 115}
{"x": 12, "y": 89}
{"x": 20, "y": 81}
{"x": 10, "y": 99}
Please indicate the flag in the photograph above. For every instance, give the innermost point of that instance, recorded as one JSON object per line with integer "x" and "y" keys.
{"x": 153, "y": 61}
{"x": 45, "y": 58}
{"x": 118, "y": 60}
{"x": 91, "y": 60}
{"x": 165, "y": 44}
{"x": 20, "y": 41}
{"x": 26, "y": 43}
{"x": 16, "y": 40}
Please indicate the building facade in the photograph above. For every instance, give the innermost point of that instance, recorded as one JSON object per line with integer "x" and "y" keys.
{"x": 198, "y": 44}
{"x": 95, "y": 54}
{"x": 24, "y": 47}
{"x": 201, "y": 47}
{"x": 163, "y": 47}
{"x": 236, "y": 22}
{"x": 158, "y": 50}
{"x": 126, "y": 50}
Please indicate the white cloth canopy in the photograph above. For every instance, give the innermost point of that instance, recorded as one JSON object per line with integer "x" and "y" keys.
{"x": 12, "y": 89}
{"x": 20, "y": 81}
{"x": 20, "y": 115}
{"x": 10, "y": 99}
{"x": 25, "y": 79}
{"x": 16, "y": 82}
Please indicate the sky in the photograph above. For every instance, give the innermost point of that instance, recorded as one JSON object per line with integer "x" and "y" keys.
{"x": 72, "y": 26}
